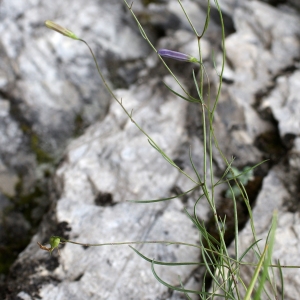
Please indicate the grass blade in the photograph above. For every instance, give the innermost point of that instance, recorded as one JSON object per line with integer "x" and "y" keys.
{"x": 255, "y": 275}
{"x": 163, "y": 199}
{"x": 267, "y": 261}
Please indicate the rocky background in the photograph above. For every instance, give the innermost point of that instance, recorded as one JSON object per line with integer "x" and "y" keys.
{"x": 69, "y": 157}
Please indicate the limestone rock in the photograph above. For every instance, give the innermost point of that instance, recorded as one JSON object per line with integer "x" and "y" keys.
{"x": 111, "y": 163}
{"x": 284, "y": 103}
{"x": 50, "y": 67}
{"x": 261, "y": 48}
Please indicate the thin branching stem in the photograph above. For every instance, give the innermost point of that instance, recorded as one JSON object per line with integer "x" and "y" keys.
{"x": 152, "y": 142}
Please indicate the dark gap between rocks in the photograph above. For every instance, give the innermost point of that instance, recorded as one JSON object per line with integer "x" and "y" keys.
{"x": 20, "y": 276}
{"x": 104, "y": 199}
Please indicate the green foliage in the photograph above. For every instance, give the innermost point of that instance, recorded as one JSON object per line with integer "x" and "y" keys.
{"x": 35, "y": 145}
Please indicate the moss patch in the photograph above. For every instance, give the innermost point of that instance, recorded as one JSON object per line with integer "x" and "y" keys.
{"x": 35, "y": 145}
{"x": 41, "y": 155}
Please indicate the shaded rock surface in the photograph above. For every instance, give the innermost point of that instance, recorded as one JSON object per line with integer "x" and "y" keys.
{"x": 113, "y": 162}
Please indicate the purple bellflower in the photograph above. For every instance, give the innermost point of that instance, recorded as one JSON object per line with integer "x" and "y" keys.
{"x": 176, "y": 55}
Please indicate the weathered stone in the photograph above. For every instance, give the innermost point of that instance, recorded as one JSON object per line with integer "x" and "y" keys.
{"x": 51, "y": 68}
{"x": 284, "y": 103}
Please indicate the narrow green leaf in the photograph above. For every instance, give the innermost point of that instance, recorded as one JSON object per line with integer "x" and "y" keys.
{"x": 236, "y": 225}
{"x": 267, "y": 261}
{"x": 163, "y": 199}
{"x": 197, "y": 87}
{"x": 255, "y": 275}
{"x": 206, "y": 20}
{"x": 194, "y": 168}
{"x": 240, "y": 174}
{"x": 187, "y": 17}
{"x": 156, "y": 262}
{"x": 176, "y": 288}
{"x": 181, "y": 283}
{"x": 193, "y": 100}
{"x": 143, "y": 34}
{"x": 248, "y": 249}
{"x": 281, "y": 280}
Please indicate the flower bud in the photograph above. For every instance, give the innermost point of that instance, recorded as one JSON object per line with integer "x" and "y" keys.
{"x": 61, "y": 30}
{"x": 54, "y": 242}
{"x": 176, "y": 55}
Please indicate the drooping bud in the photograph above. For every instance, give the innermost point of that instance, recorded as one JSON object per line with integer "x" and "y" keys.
{"x": 61, "y": 30}
{"x": 54, "y": 242}
{"x": 176, "y": 55}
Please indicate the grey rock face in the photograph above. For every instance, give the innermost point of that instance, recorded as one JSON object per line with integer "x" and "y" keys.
{"x": 284, "y": 103}
{"x": 50, "y": 67}
{"x": 110, "y": 163}
{"x": 113, "y": 162}
{"x": 50, "y": 90}
{"x": 261, "y": 49}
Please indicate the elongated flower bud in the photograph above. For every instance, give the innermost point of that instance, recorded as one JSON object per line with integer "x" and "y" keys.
{"x": 176, "y": 55}
{"x": 61, "y": 30}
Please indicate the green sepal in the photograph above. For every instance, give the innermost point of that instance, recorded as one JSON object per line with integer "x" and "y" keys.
{"x": 54, "y": 241}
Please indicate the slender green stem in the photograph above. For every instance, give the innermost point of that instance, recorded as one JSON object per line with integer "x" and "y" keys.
{"x": 255, "y": 275}
{"x": 131, "y": 118}
{"x": 188, "y": 18}
{"x": 167, "y": 243}
{"x": 152, "y": 46}
{"x": 223, "y": 59}
{"x": 130, "y": 243}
